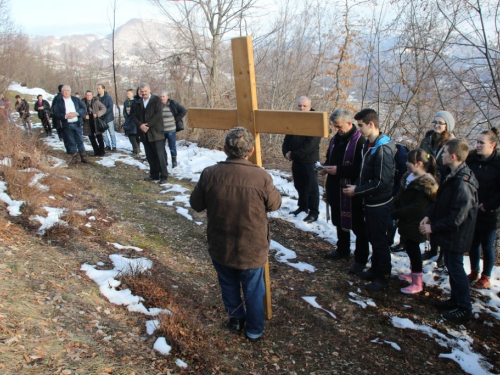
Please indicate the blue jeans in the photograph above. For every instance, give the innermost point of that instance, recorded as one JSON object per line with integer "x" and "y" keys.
{"x": 252, "y": 283}
{"x": 73, "y": 136}
{"x": 485, "y": 239}
{"x": 110, "y": 134}
{"x": 170, "y": 137}
{"x": 459, "y": 284}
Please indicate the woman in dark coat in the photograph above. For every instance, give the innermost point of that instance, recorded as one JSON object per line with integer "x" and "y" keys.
{"x": 94, "y": 109}
{"x": 418, "y": 190}
{"x": 433, "y": 143}
{"x": 485, "y": 163}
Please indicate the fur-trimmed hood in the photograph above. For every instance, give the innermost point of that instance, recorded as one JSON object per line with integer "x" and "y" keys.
{"x": 427, "y": 183}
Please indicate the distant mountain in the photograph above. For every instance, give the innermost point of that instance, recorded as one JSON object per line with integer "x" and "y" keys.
{"x": 130, "y": 39}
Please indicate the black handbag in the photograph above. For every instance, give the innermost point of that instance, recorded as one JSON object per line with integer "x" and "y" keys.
{"x": 101, "y": 125}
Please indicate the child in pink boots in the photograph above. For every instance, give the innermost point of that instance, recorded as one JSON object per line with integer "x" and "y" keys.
{"x": 418, "y": 190}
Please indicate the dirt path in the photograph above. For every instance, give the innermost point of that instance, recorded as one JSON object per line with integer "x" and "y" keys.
{"x": 54, "y": 320}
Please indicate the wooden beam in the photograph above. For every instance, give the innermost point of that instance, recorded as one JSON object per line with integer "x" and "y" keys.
{"x": 220, "y": 119}
{"x": 313, "y": 124}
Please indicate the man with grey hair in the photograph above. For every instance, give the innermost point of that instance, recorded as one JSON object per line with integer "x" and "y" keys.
{"x": 342, "y": 166}
{"x": 173, "y": 114}
{"x": 147, "y": 115}
{"x": 237, "y": 196}
{"x": 71, "y": 111}
{"x": 303, "y": 152}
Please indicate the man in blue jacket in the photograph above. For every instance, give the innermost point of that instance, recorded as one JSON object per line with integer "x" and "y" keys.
{"x": 375, "y": 185}
{"x": 109, "y": 117}
{"x": 71, "y": 111}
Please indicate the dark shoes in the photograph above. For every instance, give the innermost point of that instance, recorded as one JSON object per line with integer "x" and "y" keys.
{"x": 253, "y": 340}
{"x": 356, "y": 268}
{"x": 458, "y": 315}
{"x": 236, "y": 325}
{"x": 310, "y": 219}
{"x": 368, "y": 275}
{"x": 163, "y": 180}
{"x": 335, "y": 255}
{"x": 377, "y": 285}
{"x": 298, "y": 211}
{"x": 429, "y": 255}
{"x": 108, "y": 148}
{"x": 446, "y": 304}
{"x": 149, "y": 178}
{"x": 114, "y": 149}
{"x": 397, "y": 248}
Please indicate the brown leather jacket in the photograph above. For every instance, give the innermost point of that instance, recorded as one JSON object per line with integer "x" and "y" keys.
{"x": 237, "y": 195}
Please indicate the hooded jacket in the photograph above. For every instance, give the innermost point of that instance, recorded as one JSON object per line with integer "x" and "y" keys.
{"x": 411, "y": 204}
{"x": 453, "y": 217}
{"x": 376, "y": 179}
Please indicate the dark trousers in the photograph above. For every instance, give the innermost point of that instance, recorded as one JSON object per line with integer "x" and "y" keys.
{"x": 459, "y": 284}
{"x": 378, "y": 221}
{"x": 134, "y": 141}
{"x": 46, "y": 125}
{"x": 96, "y": 140}
{"x": 156, "y": 158}
{"x": 485, "y": 239}
{"x": 362, "y": 250}
{"x": 305, "y": 180}
{"x": 413, "y": 250}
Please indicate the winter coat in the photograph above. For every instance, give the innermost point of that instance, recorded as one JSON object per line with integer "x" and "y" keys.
{"x": 400, "y": 166}
{"x": 108, "y": 103}
{"x": 412, "y": 203}
{"x": 151, "y": 115}
{"x": 129, "y": 125}
{"x": 429, "y": 145}
{"x": 237, "y": 195}
{"x": 376, "y": 179}
{"x": 42, "y": 113}
{"x": 487, "y": 172}
{"x": 178, "y": 111}
{"x": 335, "y": 156}
{"x": 94, "y": 106}
{"x": 60, "y": 110}
{"x": 23, "y": 108}
{"x": 453, "y": 216}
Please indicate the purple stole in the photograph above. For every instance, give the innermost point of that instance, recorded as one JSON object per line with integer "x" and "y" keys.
{"x": 345, "y": 201}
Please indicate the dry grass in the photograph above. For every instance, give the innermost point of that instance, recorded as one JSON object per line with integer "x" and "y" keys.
{"x": 182, "y": 327}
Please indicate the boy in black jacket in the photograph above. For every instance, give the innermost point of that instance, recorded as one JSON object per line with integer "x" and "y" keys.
{"x": 375, "y": 185}
{"x": 451, "y": 222}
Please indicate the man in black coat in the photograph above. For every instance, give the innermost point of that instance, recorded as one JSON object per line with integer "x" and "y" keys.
{"x": 147, "y": 114}
{"x": 43, "y": 108}
{"x": 303, "y": 152}
{"x": 342, "y": 166}
{"x": 451, "y": 222}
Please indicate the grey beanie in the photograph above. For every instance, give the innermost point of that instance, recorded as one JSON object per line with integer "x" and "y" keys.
{"x": 448, "y": 117}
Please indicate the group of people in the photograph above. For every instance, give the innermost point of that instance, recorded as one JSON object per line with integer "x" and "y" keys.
{"x": 444, "y": 192}
{"x": 150, "y": 119}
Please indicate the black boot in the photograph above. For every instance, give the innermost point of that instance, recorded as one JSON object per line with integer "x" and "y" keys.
{"x": 174, "y": 161}
{"x": 83, "y": 157}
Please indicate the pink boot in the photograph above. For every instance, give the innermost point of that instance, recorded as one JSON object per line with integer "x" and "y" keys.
{"x": 405, "y": 278}
{"x": 416, "y": 284}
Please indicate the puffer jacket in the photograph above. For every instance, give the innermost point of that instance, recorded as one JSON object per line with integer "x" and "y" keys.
{"x": 487, "y": 172}
{"x": 412, "y": 203}
{"x": 376, "y": 179}
{"x": 237, "y": 195}
{"x": 129, "y": 125}
{"x": 453, "y": 216}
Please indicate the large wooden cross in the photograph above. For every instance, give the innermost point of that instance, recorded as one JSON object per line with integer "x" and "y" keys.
{"x": 256, "y": 120}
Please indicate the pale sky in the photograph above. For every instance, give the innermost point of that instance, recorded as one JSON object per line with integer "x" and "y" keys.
{"x": 68, "y": 17}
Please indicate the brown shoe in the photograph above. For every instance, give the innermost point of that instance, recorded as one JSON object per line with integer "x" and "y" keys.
{"x": 483, "y": 283}
{"x": 473, "y": 276}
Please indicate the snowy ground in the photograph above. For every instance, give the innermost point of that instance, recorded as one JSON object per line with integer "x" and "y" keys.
{"x": 191, "y": 161}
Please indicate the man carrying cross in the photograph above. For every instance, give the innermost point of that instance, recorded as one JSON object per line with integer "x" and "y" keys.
{"x": 237, "y": 195}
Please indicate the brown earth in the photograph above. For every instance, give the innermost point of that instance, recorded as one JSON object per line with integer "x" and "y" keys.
{"x": 53, "y": 320}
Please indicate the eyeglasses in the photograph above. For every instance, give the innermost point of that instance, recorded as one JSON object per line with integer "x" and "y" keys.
{"x": 440, "y": 123}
